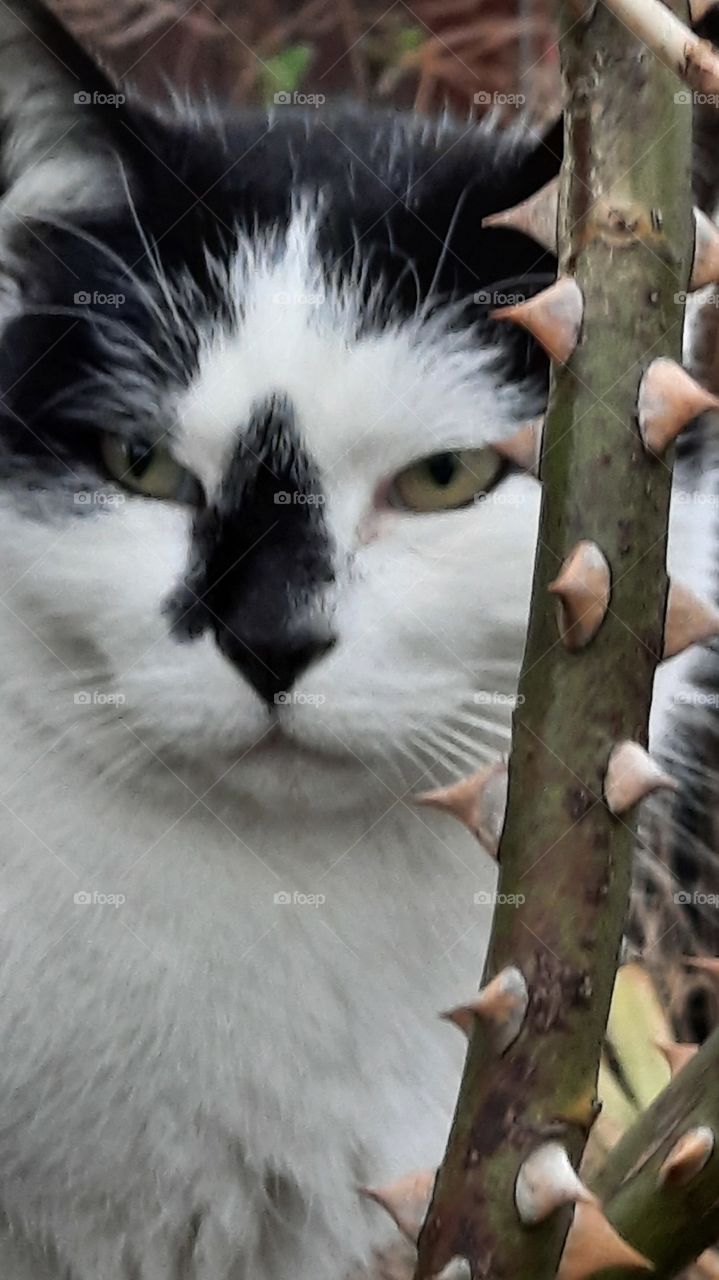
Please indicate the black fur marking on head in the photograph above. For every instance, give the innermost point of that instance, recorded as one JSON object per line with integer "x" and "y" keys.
{"x": 399, "y": 203}
{"x": 262, "y": 558}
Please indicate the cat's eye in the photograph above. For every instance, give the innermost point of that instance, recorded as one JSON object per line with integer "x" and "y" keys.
{"x": 445, "y": 481}
{"x": 150, "y": 470}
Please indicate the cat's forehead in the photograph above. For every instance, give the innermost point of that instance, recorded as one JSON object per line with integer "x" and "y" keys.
{"x": 365, "y": 386}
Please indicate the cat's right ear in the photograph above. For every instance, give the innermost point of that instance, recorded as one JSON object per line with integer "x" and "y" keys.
{"x": 61, "y": 126}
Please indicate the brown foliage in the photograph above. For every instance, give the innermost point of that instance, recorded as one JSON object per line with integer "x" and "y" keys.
{"x": 466, "y": 54}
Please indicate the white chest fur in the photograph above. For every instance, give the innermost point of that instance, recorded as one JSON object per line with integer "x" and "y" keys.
{"x": 197, "y": 1068}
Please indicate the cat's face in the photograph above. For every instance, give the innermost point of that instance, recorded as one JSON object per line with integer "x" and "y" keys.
{"x": 252, "y": 508}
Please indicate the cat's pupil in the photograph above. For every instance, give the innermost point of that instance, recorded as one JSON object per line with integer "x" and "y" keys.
{"x": 443, "y": 468}
{"x": 139, "y": 457}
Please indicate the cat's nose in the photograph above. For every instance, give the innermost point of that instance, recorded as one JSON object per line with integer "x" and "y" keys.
{"x": 272, "y": 665}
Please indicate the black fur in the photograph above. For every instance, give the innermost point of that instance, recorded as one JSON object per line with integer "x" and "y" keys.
{"x": 262, "y": 558}
{"x": 399, "y": 203}
{"x": 395, "y": 204}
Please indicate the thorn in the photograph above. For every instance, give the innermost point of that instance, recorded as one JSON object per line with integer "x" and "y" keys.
{"x": 668, "y": 400}
{"x": 478, "y": 801}
{"x": 631, "y": 775}
{"x": 553, "y": 317}
{"x": 677, "y": 1055}
{"x": 535, "y": 217}
{"x": 690, "y": 620}
{"x": 687, "y": 1157}
{"x": 546, "y": 1181}
{"x": 707, "y": 1265}
{"x": 502, "y": 1005}
{"x": 406, "y": 1201}
{"x": 699, "y": 9}
{"x": 524, "y": 447}
{"x": 593, "y": 1245}
{"x": 705, "y": 268}
{"x": 583, "y": 586}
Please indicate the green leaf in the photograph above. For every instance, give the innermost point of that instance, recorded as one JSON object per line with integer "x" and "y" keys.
{"x": 409, "y": 39}
{"x": 285, "y": 71}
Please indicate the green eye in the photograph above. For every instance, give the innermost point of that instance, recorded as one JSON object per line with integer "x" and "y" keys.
{"x": 445, "y": 481}
{"x": 148, "y": 469}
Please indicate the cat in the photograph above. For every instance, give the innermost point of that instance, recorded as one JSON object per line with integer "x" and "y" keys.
{"x": 265, "y": 578}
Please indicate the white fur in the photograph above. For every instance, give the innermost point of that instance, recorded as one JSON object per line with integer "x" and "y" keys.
{"x": 196, "y": 1079}
{"x": 201, "y": 1052}
{"x": 294, "y": 333}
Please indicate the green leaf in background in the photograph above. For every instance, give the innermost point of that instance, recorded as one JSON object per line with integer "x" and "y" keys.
{"x": 409, "y": 38}
{"x": 285, "y": 71}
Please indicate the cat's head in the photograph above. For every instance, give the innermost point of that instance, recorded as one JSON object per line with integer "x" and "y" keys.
{"x": 249, "y": 395}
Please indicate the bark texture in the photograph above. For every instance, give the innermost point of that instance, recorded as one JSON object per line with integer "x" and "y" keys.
{"x": 625, "y": 235}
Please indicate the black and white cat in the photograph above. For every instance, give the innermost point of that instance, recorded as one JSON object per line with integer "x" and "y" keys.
{"x": 263, "y": 576}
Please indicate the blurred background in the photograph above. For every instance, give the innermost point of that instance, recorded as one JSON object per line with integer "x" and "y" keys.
{"x": 469, "y": 55}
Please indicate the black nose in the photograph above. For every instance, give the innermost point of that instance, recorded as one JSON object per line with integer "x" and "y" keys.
{"x": 273, "y": 664}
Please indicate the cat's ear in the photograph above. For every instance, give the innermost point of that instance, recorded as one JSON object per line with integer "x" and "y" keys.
{"x": 60, "y": 119}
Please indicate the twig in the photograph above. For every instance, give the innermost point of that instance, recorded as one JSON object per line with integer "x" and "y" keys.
{"x": 652, "y": 22}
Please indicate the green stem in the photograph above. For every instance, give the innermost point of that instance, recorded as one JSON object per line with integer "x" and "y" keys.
{"x": 671, "y": 1225}
{"x": 625, "y": 234}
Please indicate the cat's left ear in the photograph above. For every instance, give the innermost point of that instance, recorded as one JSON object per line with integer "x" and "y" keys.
{"x": 61, "y": 125}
